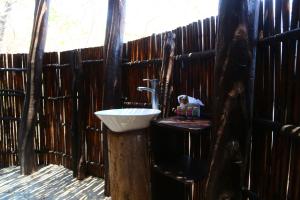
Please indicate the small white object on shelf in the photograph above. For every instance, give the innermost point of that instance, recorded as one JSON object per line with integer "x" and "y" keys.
{"x": 191, "y": 100}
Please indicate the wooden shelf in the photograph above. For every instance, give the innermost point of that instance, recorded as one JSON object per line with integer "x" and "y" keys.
{"x": 183, "y": 124}
{"x": 185, "y": 169}
{"x": 179, "y": 148}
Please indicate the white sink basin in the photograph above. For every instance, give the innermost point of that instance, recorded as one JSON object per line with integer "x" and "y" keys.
{"x": 121, "y": 120}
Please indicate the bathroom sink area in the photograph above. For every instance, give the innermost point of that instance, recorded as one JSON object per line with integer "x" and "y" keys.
{"x": 127, "y": 119}
{"x": 127, "y": 147}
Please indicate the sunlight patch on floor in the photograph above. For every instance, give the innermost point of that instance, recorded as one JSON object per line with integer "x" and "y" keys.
{"x": 49, "y": 182}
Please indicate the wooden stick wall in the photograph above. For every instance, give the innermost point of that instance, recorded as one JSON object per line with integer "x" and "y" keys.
{"x": 53, "y": 131}
{"x": 275, "y": 152}
{"x": 193, "y": 67}
{"x": 12, "y": 93}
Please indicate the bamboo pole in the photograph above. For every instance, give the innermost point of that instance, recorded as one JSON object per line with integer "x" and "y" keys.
{"x": 33, "y": 88}
{"x": 166, "y": 73}
{"x": 233, "y": 94}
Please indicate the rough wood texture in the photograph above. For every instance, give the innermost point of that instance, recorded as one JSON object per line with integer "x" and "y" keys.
{"x": 183, "y": 124}
{"x": 113, "y": 54}
{"x": 166, "y": 74}
{"x": 111, "y": 93}
{"x": 78, "y": 158}
{"x": 33, "y": 90}
{"x": 233, "y": 94}
{"x": 129, "y": 168}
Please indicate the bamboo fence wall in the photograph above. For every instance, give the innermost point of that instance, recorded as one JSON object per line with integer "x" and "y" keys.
{"x": 12, "y": 90}
{"x": 193, "y": 75}
{"x": 194, "y": 55}
{"x": 52, "y": 134}
{"x": 274, "y": 161}
{"x": 193, "y": 69}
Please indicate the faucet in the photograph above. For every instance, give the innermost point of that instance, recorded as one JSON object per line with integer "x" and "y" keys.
{"x": 153, "y": 91}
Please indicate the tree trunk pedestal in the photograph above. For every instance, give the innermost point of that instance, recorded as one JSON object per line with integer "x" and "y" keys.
{"x": 129, "y": 167}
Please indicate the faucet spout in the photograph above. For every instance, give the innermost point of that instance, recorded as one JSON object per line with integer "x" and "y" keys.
{"x": 152, "y": 90}
{"x": 145, "y": 89}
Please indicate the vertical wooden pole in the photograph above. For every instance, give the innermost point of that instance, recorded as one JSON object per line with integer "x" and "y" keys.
{"x": 33, "y": 88}
{"x": 166, "y": 73}
{"x": 253, "y": 22}
{"x": 77, "y": 126}
{"x": 253, "y": 34}
{"x": 129, "y": 165}
{"x": 111, "y": 96}
{"x": 234, "y": 74}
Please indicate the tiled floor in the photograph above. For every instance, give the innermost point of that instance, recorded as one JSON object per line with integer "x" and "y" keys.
{"x": 50, "y": 182}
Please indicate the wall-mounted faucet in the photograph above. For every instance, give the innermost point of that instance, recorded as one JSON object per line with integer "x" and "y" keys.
{"x": 153, "y": 91}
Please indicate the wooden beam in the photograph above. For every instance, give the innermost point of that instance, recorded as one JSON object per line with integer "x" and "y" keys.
{"x": 112, "y": 54}
{"x": 180, "y": 57}
{"x": 279, "y": 37}
{"x": 33, "y": 88}
{"x": 234, "y": 73}
{"x": 77, "y": 127}
{"x": 111, "y": 93}
{"x": 14, "y": 69}
{"x": 253, "y": 34}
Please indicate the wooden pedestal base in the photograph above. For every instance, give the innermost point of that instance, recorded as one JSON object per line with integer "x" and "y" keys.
{"x": 129, "y": 168}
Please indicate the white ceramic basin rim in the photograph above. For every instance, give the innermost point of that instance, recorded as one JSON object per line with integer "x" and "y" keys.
{"x": 127, "y": 119}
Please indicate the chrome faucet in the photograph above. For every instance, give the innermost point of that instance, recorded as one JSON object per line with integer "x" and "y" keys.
{"x": 153, "y": 91}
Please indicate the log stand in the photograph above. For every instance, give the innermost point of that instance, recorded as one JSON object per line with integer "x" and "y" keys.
{"x": 129, "y": 167}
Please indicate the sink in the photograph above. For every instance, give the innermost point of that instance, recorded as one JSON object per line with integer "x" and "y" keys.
{"x": 127, "y": 119}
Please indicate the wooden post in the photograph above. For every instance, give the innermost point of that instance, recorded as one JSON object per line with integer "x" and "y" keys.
{"x": 234, "y": 74}
{"x": 77, "y": 127}
{"x": 33, "y": 88}
{"x": 166, "y": 73}
{"x": 253, "y": 34}
{"x": 111, "y": 96}
{"x": 129, "y": 167}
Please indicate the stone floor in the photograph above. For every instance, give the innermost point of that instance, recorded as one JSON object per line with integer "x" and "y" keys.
{"x": 49, "y": 182}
